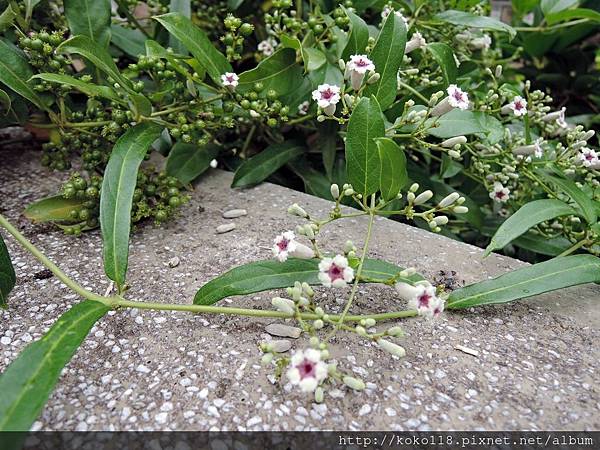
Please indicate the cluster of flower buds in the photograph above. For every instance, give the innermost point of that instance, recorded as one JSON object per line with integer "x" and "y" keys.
{"x": 233, "y": 39}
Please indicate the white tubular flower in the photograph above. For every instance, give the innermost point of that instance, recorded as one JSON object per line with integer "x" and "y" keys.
{"x": 416, "y": 41}
{"x": 302, "y": 252}
{"x": 327, "y": 96}
{"x": 230, "y": 80}
{"x": 406, "y": 291}
{"x": 481, "y": 43}
{"x": 525, "y": 150}
{"x": 518, "y": 106}
{"x": 386, "y": 12}
{"x": 285, "y": 244}
{"x": 307, "y": 370}
{"x": 449, "y": 199}
{"x": 500, "y": 193}
{"x": 450, "y": 143}
{"x": 303, "y": 108}
{"x": 335, "y": 272}
{"x": 457, "y": 97}
{"x": 266, "y": 47}
{"x": 588, "y": 157}
{"x": 356, "y": 69}
{"x": 558, "y": 117}
{"x": 539, "y": 150}
{"x": 424, "y": 300}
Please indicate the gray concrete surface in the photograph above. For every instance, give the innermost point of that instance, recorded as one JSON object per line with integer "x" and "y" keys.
{"x": 538, "y": 364}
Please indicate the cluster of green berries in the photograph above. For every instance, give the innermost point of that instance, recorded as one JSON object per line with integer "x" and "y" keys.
{"x": 264, "y": 105}
{"x": 157, "y": 196}
{"x": 208, "y": 14}
{"x": 84, "y": 216}
{"x": 191, "y": 129}
{"x": 55, "y": 156}
{"x": 236, "y": 32}
{"x": 340, "y": 16}
{"x": 41, "y": 49}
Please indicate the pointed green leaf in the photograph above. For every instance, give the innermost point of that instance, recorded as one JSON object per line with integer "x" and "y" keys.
{"x": 393, "y": 175}
{"x": 271, "y": 274}
{"x": 569, "y": 14}
{"x": 358, "y": 37}
{"x": 528, "y": 216}
{"x": 8, "y": 16}
{"x": 184, "y": 8}
{"x": 196, "y": 41}
{"x": 474, "y": 21}
{"x": 259, "y": 167}
{"x": 572, "y": 190}
{"x": 90, "y": 89}
{"x": 7, "y": 274}
{"x": 444, "y": 56}
{"x": 15, "y": 71}
{"x": 118, "y": 185}
{"x": 362, "y": 157}
{"x": 533, "y": 280}
{"x": 53, "y": 209}
{"x": 130, "y": 40}
{"x": 188, "y": 161}
{"x": 90, "y": 18}
{"x": 461, "y": 122}
{"x": 5, "y": 101}
{"x": 280, "y": 72}
{"x": 556, "y": 6}
{"x": 97, "y": 55}
{"x": 28, "y": 381}
{"x": 387, "y": 55}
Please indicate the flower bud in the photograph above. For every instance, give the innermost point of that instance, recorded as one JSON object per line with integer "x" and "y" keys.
{"x": 498, "y": 72}
{"x": 354, "y": 383}
{"x": 319, "y": 395}
{"x": 308, "y": 290}
{"x": 342, "y": 65}
{"x": 423, "y": 197}
{"x": 460, "y": 209}
{"x": 314, "y": 341}
{"x": 392, "y": 348}
{"x": 448, "y": 200}
{"x": 458, "y": 140}
{"x": 318, "y": 324}
{"x": 373, "y": 78}
{"x": 296, "y": 210}
{"x": 348, "y": 99}
{"x": 440, "y": 220}
{"x": 454, "y": 154}
{"x": 360, "y": 330}
{"x": 369, "y": 322}
{"x": 395, "y": 331}
{"x": 349, "y": 246}
{"x": 414, "y": 187}
{"x": 405, "y": 291}
{"x": 349, "y": 192}
{"x": 335, "y": 191}
{"x": 284, "y": 305}
{"x": 410, "y": 197}
{"x": 302, "y": 251}
{"x": 588, "y": 135}
{"x": 321, "y": 118}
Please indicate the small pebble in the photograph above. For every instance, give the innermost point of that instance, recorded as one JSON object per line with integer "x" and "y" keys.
{"x": 278, "y": 329}
{"x": 174, "y": 262}
{"x": 225, "y": 228}
{"x": 234, "y": 213}
{"x": 280, "y": 345}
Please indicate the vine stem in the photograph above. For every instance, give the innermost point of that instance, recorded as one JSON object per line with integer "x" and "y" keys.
{"x": 117, "y": 302}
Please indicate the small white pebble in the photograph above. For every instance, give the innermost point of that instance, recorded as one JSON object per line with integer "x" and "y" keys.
{"x": 225, "y": 228}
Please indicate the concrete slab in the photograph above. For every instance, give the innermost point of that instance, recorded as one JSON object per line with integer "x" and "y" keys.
{"x": 538, "y": 364}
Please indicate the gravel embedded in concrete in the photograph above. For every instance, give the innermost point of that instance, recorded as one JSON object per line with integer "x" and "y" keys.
{"x": 538, "y": 364}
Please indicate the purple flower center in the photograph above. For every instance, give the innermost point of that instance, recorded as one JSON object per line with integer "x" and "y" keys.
{"x": 230, "y": 78}
{"x": 327, "y": 94}
{"x": 458, "y": 96}
{"x": 283, "y": 244}
{"x": 307, "y": 369}
{"x": 423, "y": 300}
{"x": 335, "y": 272}
{"x": 589, "y": 156}
{"x": 519, "y": 105}
{"x": 500, "y": 194}
{"x": 361, "y": 63}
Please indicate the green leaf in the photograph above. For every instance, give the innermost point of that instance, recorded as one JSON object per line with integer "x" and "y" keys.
{"x": 15, "y": 71}
{"x": 387, "y": 55}
{"x": 312, "y": 58}
{"x": 572, "y": 190}
{"x": 188, "y": 161}
{"x": 7, "y": 274}
{"x": 5, "y": 100}
{"x": 362, "y": 157}
{"x": 120, "y": 179}
{"x": 315, "y": 182}
{"x": 280, "y": 72}
{"x": 358, "y": 37}
{"x": 555, "y": 6}
{"x": 456, "y": 123}
{"x": 28, "y": 381}
{"x": 474, "y": 21}
{"x": 529, "y": 215}
{"x": 8, "y": 16}
{"x": 259, "y": 167}
{"x": 184, "y": 8}
{"x": 130, "y": 40}
{"x": 90, "y": 18}
{"x": 53, "y": 209}
{"x": 393, "y": 176}
{"x": 533, "y": 280}
{"x": 271, "y": 274}
{"x": 98, "y": 56}
{"x": 444, "y": 56}
{"x": 328, "y": 135}
{"x": 90, "y": 89}
{"x": 570, "y": 14}
{"x": 199, "y": 45}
